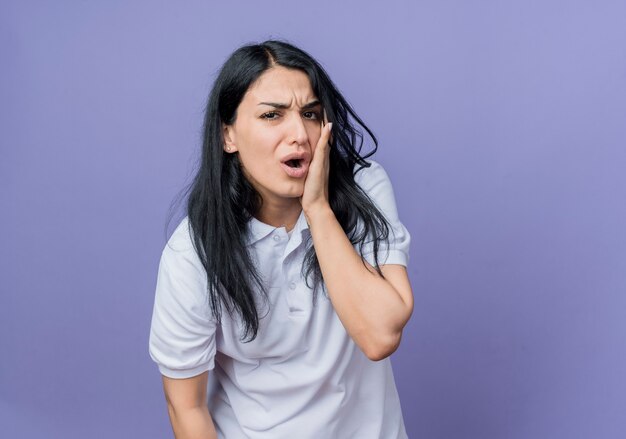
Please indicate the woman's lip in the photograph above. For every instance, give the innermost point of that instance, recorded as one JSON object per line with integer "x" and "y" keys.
{"x": 296, "y": 172}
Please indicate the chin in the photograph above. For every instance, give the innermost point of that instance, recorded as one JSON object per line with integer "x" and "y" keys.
{"x": 292, "y": 189}
{"x": 293, "y": 195}
{"x": 297, "y": 193}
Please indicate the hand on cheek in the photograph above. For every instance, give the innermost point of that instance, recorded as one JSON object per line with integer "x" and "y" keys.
{"x": 315, "y": 194}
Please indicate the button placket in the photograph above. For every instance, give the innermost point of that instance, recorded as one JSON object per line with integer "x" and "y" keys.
{"x": 295, "y": 297}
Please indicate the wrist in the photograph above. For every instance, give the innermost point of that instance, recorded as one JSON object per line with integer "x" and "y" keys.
{"x": 317, "y": 213}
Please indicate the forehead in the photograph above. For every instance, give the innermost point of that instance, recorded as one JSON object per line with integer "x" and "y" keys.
{"x": 280, "y": 84}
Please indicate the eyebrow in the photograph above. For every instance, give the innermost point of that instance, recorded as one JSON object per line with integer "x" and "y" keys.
{"x": 285, "y": 106}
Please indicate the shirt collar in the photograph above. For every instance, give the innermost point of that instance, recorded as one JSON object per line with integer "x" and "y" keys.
{"x": 258, "y": 230}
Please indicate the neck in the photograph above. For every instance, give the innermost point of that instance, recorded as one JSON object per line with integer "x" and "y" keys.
{"x": 280, "y": 214}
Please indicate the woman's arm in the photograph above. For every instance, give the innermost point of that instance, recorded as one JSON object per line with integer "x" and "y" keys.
{"x": 372, "y": 309}
{"x": 187, "y": 407}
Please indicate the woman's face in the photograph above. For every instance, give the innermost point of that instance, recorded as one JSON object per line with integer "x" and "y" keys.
{"x": 278, "y": 119}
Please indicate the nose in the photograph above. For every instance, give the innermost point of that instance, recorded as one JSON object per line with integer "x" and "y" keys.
{"x": 297, "y": 131}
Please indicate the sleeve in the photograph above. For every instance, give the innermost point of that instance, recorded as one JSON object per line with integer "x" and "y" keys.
{"x": 377, "y": 185}
{"x": 182, "y": 332}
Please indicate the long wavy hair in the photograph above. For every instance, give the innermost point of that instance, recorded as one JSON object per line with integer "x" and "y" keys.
{"x": 221, "y": 201}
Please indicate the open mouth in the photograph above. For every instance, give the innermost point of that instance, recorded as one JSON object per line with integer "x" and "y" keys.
{"x": 296, "y": 168}
{"x": 295, "y": 163}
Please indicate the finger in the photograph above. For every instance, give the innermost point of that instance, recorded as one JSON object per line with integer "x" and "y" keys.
{"x": 330, "y": 137}
{"x": 322, "y": 147}
{"x": 326, "y": 123}
{"x": 325, "y": 140}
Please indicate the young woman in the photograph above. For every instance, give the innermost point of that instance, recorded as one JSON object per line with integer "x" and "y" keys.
{"x": 293, "y": 233}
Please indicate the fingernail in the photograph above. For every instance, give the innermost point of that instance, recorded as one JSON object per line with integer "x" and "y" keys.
{"x": 330, "y": 126}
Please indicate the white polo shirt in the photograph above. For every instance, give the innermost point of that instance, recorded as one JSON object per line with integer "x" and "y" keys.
{"x": 303, "y": 376}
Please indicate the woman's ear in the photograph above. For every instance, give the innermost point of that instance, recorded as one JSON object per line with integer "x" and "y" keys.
{"x": 229, "y": 138}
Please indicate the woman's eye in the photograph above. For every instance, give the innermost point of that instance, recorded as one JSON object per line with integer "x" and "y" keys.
{"x": 270, "y": 115}
{"x": 310, "y": 115}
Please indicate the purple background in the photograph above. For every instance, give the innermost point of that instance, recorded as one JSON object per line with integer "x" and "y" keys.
{"x": 501, "y": 124}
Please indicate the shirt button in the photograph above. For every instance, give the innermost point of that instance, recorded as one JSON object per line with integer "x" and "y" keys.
{"x": 276, "y": 238}
{"x": 292, "y": 285}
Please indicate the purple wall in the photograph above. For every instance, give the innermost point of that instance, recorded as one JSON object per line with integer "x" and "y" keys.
{"x": 502, "y": 125}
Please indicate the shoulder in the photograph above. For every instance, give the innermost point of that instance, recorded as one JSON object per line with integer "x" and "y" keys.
{"x": 179, "y": 253}
{"x": 181, "y": 280}
{"x": 375, "y": 182}
{"x": 180, "y": 240}
{"x": 366, "y": 175}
